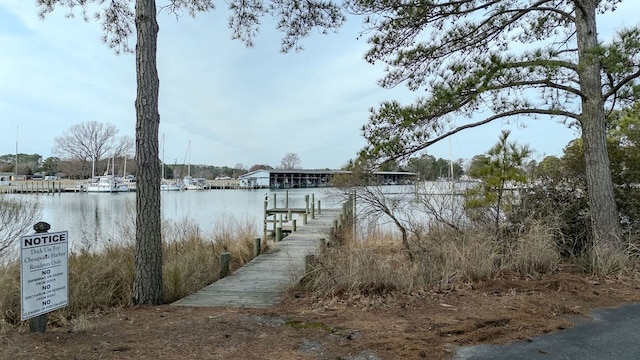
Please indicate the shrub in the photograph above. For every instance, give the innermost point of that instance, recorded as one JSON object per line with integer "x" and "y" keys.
{"x": 17, "y": 215}
{"x": 563, "y": 205}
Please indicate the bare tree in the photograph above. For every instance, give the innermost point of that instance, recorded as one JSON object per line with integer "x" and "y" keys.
{"x": 90, "y": 140}
{"x": 375, "y": 202}
{"x": 123, "y": 149}
{"x": 290, "y": 161}
{"x": 442, "y": 202}
{"x": 123, "y": 146}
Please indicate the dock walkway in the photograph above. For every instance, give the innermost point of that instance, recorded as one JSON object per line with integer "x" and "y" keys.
{"x": 261, "y": 282}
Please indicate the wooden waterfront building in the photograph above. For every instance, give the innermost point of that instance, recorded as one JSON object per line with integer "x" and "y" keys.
{"x": 304, "y": 178}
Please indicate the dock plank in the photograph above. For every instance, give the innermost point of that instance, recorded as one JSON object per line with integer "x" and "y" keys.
{"x": 261, "y": 282}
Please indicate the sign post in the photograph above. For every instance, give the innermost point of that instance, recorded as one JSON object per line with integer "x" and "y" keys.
{"x": 44, "y": 274}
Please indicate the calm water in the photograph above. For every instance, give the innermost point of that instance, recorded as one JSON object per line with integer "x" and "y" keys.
{"x": 94, "y": 217}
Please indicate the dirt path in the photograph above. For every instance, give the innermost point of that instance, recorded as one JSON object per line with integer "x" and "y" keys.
{"x": 428, "y": 325}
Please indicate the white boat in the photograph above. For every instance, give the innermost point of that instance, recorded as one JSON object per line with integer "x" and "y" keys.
{"x": 189, "y": 182}
{"x": 105, "y": 184}
{"x": 167, "y": 185}
{"x": 108, "y": 183}
{"x": 127, "y": 184}
{"x": 192, "y": 184}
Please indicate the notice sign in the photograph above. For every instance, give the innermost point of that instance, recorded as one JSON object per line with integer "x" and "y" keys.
{"x": 44, "y": 273}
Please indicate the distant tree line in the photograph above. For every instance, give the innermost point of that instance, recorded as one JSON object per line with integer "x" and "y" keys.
{"x": 28, "y": 164}
{"x": 426, "y": 166}
{"x": 93, "y": 147}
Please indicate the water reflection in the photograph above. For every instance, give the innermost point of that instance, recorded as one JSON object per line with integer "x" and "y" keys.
{"x": 93, "y": 218}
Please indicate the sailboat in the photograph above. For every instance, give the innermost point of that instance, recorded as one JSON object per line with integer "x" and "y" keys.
{"x": 168, "y": 185}
{"x": 107, "y": 183}
{"x": 189, "y": 182}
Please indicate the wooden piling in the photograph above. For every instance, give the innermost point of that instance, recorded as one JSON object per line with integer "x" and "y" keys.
{"x": 264, "y": 226}
{"x": 225, "y": 259}
{"x": 306, "y": 201}
{"x": 313, "y": 207}
{"x": 278, "y": 233}
{"x": 309, "y": 261}
{"x": 256, "y": 247}
{"x": 322, "y": 245}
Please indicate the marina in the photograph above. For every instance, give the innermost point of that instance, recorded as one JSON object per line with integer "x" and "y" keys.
{"x": 276, "y": 179}
{"x": 74, "y": 186}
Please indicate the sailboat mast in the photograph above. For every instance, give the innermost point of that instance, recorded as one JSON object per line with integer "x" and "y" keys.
{"x": 17, "y": 136}
{"x": 162, "y": 156}
{"x": 450, "y": 161}
{"x": 189, "y": 156}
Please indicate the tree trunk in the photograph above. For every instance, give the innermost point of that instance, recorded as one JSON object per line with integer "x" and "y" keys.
{"x": 603, "y": 211}
{"x": 148, "y": 260}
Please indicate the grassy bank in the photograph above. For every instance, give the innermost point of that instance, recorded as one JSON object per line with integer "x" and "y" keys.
{"x": 103, "y": 280}
{"x": 444, "y": 258}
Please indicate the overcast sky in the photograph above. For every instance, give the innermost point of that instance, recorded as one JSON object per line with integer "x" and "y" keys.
{"x": 236, "y": 105}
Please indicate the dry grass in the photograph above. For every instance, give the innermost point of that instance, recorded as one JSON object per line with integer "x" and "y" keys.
{"x": 235, "y": 237}
{"x": 104, "y": 279}
{"x": 443, "y": 258}
{"x": 534, "y": 250}
{"x": 447, "y": 257}
{"x": 10, "y": 294}
{"x": 606, "y": 259}
{"x": 360, "y": 269}
{"x": 188, "y": 265}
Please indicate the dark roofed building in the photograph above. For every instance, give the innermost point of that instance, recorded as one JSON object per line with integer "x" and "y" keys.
{"x": 303, "y": 178}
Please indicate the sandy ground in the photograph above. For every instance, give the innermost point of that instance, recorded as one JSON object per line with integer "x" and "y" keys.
{"x": 428, "y": 324}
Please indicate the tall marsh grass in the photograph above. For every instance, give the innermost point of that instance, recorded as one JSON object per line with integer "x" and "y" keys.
{"x": 104, "y": 280}
{"x": 443, "y": 257}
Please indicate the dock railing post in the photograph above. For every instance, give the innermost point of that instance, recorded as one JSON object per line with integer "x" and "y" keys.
{"x": 322, "y": 245}
{"x": 225, "y": 258}
{"x": 319, "y": 208}
{"x": 313, "y": 207}
{"x": 278, "y": 233}
{"x": 286, "y": 199}
{"x": 264, "y": 226}
{"x": 256, "y": 247}
{"x": 309, "y": 261}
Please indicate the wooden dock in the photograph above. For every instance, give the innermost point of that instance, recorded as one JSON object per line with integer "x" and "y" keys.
{"x": 261, "y": 282}
{"x": 41, "y": 187}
